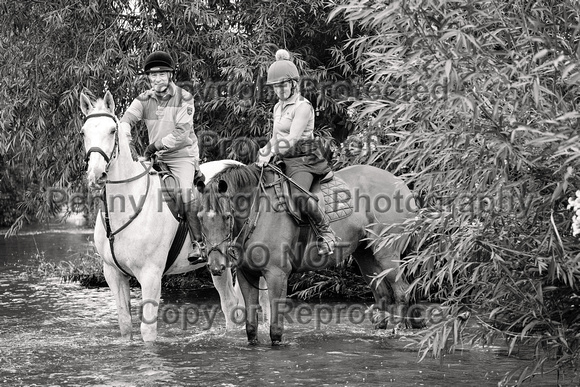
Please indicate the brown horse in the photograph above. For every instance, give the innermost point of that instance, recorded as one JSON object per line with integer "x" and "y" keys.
{"x": 247, "y": 219}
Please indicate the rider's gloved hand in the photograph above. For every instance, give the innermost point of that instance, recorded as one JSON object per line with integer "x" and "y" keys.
{"x": 152, "y": 148}
{"x": 263, "y": 160}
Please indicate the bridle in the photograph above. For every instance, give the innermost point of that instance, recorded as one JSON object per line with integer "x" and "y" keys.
{"x": 115, "y": 153}
{"x": 207, "y": 248}
{"x": 108, "y": 158}
{"x": 246, "y": 230}
{"x": 95, "y": 149}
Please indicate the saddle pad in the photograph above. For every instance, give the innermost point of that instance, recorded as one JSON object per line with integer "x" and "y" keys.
{"x": 337, "y": 199}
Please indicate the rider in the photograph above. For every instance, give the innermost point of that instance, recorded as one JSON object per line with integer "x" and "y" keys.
{"x": 293, "y": 143}
{"x": 167, "y": 111}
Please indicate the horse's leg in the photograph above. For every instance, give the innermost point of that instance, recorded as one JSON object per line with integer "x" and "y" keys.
{"x": 390, "y": 294}
{"x": 150, "y": 281}
{"x": 264, "y": 300}
{"x": 119, "y": 284}
{"x": 277, "y": 287}
{"x": 249, "y": 285}
{"x": 231, "y": 297}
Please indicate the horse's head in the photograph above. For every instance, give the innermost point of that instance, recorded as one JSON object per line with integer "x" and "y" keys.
{"x": 226, "y": 204}
{"x": 101, "y": 137}
{"x": 217, "y": 224}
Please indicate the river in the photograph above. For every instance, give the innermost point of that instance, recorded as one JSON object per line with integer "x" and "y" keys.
{"x": 54, "y": 333}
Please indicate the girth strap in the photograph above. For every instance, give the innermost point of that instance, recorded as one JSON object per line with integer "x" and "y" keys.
{"x": 177, "y": 244}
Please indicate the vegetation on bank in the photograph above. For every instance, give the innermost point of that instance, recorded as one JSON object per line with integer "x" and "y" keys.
{"x": 480, "y": 116}
{"x": 473, "y": 102}
{"x": 86, "y": 269}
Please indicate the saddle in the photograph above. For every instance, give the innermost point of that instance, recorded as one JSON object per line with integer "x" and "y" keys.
{"x": 335, "y": 193}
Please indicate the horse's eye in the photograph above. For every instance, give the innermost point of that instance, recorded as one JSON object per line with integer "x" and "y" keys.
{"x": 113, "y": 131}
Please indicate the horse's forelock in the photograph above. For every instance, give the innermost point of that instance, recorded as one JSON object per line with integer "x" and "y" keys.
{"x": 237, "y": 177}
{"x": 213, "y": 198}
{"x": 99, "y": 106}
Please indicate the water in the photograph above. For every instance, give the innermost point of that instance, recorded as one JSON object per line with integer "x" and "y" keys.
{"x": 61, "y": 334}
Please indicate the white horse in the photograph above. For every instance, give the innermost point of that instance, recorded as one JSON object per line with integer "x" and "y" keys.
{"x": 136, "y": 237}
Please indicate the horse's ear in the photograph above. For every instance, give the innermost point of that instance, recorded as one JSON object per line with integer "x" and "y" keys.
{"x": 109, "y": 102}
{"x": 86, "y": 104}
{"x": 222, "y": 187}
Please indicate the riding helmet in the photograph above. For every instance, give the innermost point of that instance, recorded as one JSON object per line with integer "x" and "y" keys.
{"x": 282, "y": 69}
{"x": 158, "y": 61}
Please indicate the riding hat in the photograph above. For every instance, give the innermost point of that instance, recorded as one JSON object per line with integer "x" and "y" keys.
{"x": 158, "y": 61}
{"x": 282, "y": 69}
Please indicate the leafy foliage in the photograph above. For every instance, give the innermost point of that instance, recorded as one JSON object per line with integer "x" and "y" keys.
{"x": 476, "y": 103}
{"x": 54, "y": 50}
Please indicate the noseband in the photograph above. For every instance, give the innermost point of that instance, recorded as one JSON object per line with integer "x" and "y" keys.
{"x": 206, "y": 249}
{"x": 96, "y": 149}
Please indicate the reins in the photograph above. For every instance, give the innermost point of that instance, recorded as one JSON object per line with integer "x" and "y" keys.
{"x": 251, "y": 225}
{"x": 283, "y": 175}
{"x": 106, "y": 219}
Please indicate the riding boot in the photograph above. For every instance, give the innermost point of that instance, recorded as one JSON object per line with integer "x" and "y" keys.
{"x": 195, "y": 256}
{"x": 326, "y": 240}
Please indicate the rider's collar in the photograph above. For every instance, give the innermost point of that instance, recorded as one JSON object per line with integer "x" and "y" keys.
{"x": 169, "y": 92}
{"x": 292, "y": 100}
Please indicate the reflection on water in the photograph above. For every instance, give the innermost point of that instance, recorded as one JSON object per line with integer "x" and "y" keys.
{"x": 54, "y": 333}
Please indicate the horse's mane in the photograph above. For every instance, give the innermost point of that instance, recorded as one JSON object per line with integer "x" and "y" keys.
{"x": 239, "y": 178}
{"x": 244, "y": 150}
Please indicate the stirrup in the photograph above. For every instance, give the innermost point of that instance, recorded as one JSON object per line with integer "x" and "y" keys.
{"x": 197, "y": 256}
{"x": 325, "y": 244}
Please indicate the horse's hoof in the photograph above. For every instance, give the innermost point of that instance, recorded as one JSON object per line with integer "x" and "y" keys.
{"x": 253, "y": 343}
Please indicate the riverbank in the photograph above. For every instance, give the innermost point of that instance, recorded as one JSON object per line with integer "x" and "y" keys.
{"x": 73, "y": 223}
